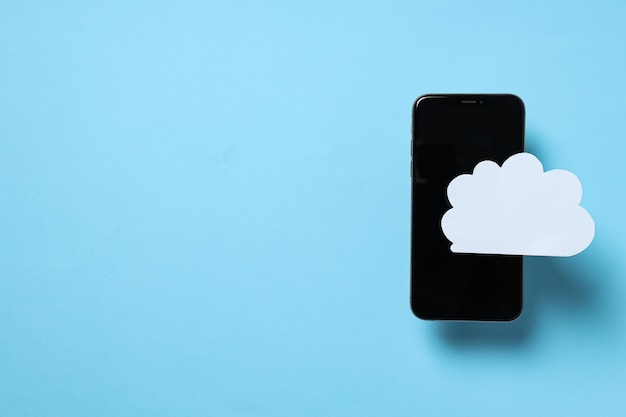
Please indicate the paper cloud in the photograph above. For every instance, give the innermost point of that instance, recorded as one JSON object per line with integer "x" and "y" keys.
{"x": 517, "y": 209}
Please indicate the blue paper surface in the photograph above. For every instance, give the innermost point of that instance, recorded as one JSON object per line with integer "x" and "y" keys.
{"x": 204, "y": 208}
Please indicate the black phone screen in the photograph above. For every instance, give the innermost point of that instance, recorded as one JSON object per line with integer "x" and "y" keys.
{"x": 451, "y": 134}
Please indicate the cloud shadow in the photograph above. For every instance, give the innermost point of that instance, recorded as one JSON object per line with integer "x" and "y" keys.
{"x": 549, "y": 283}
{"x": 567, "y": 288}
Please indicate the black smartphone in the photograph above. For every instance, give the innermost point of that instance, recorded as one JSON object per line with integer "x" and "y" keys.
{"x": 451, "y": 133}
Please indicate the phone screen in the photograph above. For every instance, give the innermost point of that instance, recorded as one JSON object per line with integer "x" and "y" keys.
{"x": 451, "y": 134}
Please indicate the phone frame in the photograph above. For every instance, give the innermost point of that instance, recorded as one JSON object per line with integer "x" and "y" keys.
{"x": 516, "y": 282}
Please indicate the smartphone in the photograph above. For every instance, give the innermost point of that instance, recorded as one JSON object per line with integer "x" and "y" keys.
{"x": 451, "y": 133}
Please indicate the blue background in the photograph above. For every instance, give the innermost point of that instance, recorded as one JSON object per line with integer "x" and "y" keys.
{"x": 204, "y": 208}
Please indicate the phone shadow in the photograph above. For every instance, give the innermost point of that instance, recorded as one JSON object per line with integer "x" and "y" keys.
{"x": 550, "y": 284}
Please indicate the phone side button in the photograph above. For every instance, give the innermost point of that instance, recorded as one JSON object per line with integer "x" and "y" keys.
{"x": 411, "y": 168}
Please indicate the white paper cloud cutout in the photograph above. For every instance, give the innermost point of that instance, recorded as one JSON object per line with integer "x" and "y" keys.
{"x": 517, "y": 209}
